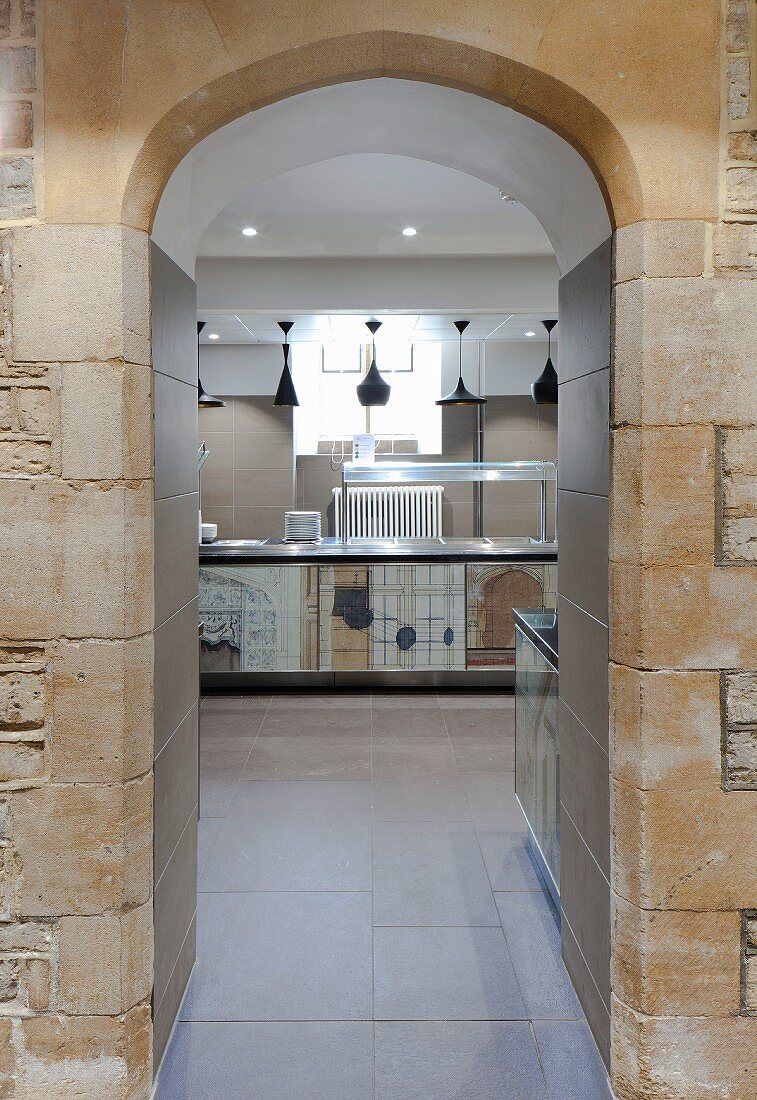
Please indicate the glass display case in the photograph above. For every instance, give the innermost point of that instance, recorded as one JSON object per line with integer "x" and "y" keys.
{"x": 357, "y": 478}
{"x": 537, "y": 750}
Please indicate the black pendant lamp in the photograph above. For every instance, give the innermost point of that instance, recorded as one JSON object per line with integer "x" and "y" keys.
{"x": 544, "y": 389}
{"x": 286, "y": 394}
{"x": 205, "y": 400}
{"x": 461, "y": 395}
{"x": 373, "y": 390}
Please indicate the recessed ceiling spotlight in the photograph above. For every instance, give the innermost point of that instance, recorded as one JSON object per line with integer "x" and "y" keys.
{"x": 408, "y": 231}
{"x": 507, "y": 198}
{"x": 529, "y": 334}
{"x": 213, "y": 336}
{"x": 248, "y": 231}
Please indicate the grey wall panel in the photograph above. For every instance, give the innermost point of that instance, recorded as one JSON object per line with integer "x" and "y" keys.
{"x": 174, "y": 319}
{"x": 176, "y": 788}
{"x": 596, "y": 1011}
{"x": 583, "y": 438}
{"x": 175, "y": 554}
{"x": 174, "y": 343}
{"x": 585, "y": 900}
{"x": 175, "y": 437}
{"x": 585, "y": 786}
{"x": 176, "y": 671}
{"x": 583, "y": 522}
{"x": 584, "y": 658}
{"x": 584, "y": 311}
{"x": 175, "y": 904}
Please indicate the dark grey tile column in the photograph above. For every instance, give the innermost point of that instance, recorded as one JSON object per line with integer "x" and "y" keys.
{"x": 176, "y": 644}
{"x": 584, "y": 413}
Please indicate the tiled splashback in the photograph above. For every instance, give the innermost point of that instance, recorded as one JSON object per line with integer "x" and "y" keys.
{"x": 248, "y": 480}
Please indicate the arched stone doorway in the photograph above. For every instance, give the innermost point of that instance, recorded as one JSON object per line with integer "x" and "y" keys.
{"x": 676, "y": 308}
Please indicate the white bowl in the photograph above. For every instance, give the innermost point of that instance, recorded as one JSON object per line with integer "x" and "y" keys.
{"x": 209, "y": 531}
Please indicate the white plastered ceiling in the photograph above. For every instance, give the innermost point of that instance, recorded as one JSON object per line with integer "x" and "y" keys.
{"x": 400, "y": 118}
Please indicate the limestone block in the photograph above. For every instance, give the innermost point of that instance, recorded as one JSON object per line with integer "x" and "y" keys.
{"x": 741, "y": 698}
{"x": 680, "y": 1058}
{"x": 684, "y": 617}
{"x": 22, "y": 700}
{"x": 77, "y": 293}
{"x": 27, "y": 18}
{"x": 102, "y": 711}
{"x": 738, "y": 464}
{"x": 24, "y": 458}
{"x": 750, "y": 985}
{"x": 137, "y": 1052}
{"x": 136, "y": 955}
{"x": 106, "y": 421}
{"x": 75, "y": 560}
{"x": 17, "y": 188}
{"x": 741, "y": 190}
{"x": 738, "y": 87}
{"x": 739, "y": 542}
{"x": 740, "y": 759}
{"x": 671, "y": 851}
{"x": 16, "y": 124}
{"x": 82, "y": 1057}
{"x": 89, "y": 965}
{"x": 21, "y": 761}
{"x": 684, "y": 352}
{"x": 665, "y": 729}
{"x": 138, "y": 841}
{"x": 652, "y": 950}
{"x": 659, "y": 250}
{"x": 18, "y": 69}
{"x": 743, "y": 145}
{"x": 663, "y": 491}
{"x": 737, "y": 26}
{"x": 33, "y": 408}
{"x": 735, "y": 248}
{"x": 70, "y": 848}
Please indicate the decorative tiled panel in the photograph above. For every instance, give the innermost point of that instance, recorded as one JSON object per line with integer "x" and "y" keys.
{"x": 253, "y": 618}
{"x": 418, "y": 616}
{"x": 493, "y": 591}
{"x": 345, "y": 618}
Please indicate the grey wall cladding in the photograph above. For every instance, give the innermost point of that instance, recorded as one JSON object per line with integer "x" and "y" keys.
{"x": 583, "y": 478}
{"x": 174, "y": 315}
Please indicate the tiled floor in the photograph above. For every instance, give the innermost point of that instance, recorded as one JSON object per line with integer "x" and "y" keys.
{"x": 370, "y": 923}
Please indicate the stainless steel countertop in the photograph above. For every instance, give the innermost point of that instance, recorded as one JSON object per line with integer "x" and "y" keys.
{"x": 439, "y": 549}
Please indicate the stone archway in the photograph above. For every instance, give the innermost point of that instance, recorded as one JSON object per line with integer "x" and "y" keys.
{"x": 77, "y": 589}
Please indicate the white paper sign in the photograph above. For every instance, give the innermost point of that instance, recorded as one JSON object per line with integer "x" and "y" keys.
{"x": 364, "y": 450}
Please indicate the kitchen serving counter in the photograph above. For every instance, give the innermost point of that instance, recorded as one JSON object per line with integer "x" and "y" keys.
{"x": 386, "y": 611}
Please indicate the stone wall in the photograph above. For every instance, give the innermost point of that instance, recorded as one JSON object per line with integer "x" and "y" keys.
{"x": 659, "y": 98}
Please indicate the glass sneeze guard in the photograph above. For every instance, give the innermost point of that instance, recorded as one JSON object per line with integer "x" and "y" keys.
{"x": 427, "y": 473}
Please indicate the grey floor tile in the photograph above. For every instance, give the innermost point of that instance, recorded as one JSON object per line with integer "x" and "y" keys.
{"x": 207, "y": 830}
{"x": 289, "y": 853}
{"x": 430, "y": 873}
{"x": 281, "y": 956}
{"x": 478, "y": 722}
{"x": 508, "y": 860}
{"x": 272, "y": 1061}
{"x": 299, "y": 721}
{"x": 235, "y": 704}
{"x": 399, "y": 756}
{"x": 418, "y": 799}
{"x": 491, "y": 798}
{"x": 336, "y": 799}
{"x": 321, "y": 701}
{"x": 444, "y": 974}
{"x": 483, "y": 752}
{"x": 407, "y": 701}
{"x": 477, "y": 700}
{"x": 532, "y": 932}
{"x": 224, "y": 755}
{"x": 216, "y": 792}
{"x": 571, "y": 1061}
{"x": 394, "y": 722}
{"x": 317, "y": 756}
{"x": 457, "y": 1061}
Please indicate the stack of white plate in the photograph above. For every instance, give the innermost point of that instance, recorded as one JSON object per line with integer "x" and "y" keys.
{"x": 302, "y": 526}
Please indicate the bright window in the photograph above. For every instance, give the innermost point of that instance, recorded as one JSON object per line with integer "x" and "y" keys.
{"x": 326, "y": 377}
